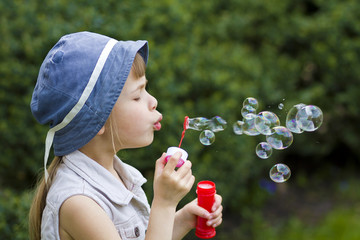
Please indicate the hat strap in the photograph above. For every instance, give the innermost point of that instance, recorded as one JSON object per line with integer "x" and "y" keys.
{"x": 78, "y": 106}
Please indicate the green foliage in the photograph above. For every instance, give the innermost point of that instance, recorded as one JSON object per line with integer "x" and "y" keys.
{"x": 205, "y": 58}
{"x": 14, "y": 209}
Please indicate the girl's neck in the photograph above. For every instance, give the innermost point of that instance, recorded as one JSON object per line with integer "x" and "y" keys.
{"x": 104, "y": 158}
{"x": 100, "y": 149}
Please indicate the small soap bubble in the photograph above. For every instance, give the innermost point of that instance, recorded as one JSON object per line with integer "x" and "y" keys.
{"x": 238, "y": 127}
{"x": 249, "y": 125}
{"x": 263, "y": 150}
{"x": 265, "y": 121}
{"x": 309, "y": 118}
{"x": 291, "y": 122}
{"x": 252, "y": 102}
{"x": 217, "y": 124}
{"x": 247, "y": 110}
{"x": 280, "y": 173}
{"x": 280, "y": 138}
{"x": 281, "y": 106}
{"x": 207, "y": 137}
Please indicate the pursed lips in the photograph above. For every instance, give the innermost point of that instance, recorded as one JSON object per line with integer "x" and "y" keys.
{"x": 157, "y": 125}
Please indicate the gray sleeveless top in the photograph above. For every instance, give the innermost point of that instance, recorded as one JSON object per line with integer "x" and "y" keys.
{"x": 127, "y": 206}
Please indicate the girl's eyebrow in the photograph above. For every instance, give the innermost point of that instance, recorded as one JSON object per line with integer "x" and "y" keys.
{"x": 141, "y": 86}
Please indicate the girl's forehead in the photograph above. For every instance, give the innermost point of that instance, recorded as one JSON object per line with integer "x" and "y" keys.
{"x": 133, "y": 84}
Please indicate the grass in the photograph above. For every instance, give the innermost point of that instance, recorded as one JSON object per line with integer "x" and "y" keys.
{"x": 339, "y": 224}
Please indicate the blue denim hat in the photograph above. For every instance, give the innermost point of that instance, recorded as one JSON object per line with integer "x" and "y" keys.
{"x": 78, "y": 84}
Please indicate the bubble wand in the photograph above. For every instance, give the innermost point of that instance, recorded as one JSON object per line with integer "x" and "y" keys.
{"x": 186, "y": 124}
{"x": 171, "y": 150}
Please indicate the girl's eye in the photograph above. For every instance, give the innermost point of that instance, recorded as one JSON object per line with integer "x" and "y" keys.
{"x": 137, "y": 99}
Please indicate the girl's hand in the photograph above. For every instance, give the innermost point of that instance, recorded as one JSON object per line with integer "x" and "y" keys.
{"x": 171, "y": 185}
{"x": 185, "y": 218}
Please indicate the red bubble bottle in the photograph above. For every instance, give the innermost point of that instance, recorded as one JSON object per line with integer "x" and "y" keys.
{"x": 206, "y": 197}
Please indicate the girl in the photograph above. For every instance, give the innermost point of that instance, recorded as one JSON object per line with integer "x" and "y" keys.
{"x": 91, "y": 90}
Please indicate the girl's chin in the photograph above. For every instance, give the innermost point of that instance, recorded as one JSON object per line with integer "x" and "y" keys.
{"x": 144, "y": 143}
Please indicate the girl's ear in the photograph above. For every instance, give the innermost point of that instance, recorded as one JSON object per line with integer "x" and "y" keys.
{"x": 102, "y": 130}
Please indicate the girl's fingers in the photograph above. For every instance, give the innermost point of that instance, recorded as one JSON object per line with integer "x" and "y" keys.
{"x": 199, "y": 211}
{"x": 217, "y": 212}
{"x": 216, "y": 215}
{"x": 217, "y": 203}
{"x": 190, "y": 182}
{"x": 185, "y": 177}
{"x": 215, "y": 222}
{"x": 172, "y": 162}
{"x": 185, "y": 169}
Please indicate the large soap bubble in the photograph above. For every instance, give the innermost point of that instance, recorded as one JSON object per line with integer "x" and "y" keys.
{"x": 309, "y": 118}
{"x": 265, "y": 121}
{"x": 280, "y": 138}
{"x": 291, "y": 122}
{"x": 263, "y": 150}
{"x": 252, "y": 102}
{"x": 216, "y": 124}
{"x": 198, "y": 123}
{"x": 207, "y": 137}
{"x": 249, "y": 125}
{"x": 238, "y": 127}
{"x": 280, "y": 173}
{"x": 247, "y": 110}
{"x": 250, "y": 105}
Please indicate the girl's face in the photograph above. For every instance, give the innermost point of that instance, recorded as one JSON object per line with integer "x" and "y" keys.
{"x": 135, "y": 115}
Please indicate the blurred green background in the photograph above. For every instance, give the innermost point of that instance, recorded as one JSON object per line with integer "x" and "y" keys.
{"x": 205, "y": 58}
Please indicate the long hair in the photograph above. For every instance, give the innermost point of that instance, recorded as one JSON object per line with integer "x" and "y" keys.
{"x": 42, "y": 187}
{"x": 39, "y": 201}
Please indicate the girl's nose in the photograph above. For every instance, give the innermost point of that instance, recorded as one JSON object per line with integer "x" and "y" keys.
{"x": 153, "y": 103}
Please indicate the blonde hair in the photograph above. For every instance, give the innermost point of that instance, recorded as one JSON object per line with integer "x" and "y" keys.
{"x": 42, "y": 187}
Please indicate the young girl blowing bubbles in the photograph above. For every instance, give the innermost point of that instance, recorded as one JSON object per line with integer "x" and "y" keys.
{"x": 91, "y": 90}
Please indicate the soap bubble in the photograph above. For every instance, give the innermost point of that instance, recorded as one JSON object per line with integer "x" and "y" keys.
{"x": 309, "y": 118}
{"x": 207, "y": 137}
{"x": 280, "y": 138}
{"x": 291, "y": 122}
{"x": 280, "y": 173}
{"x": 249, "y": 125}
{"x": 247, "y": 110}
{"x": 238, "y": 127}
{"x": 265, "y": 121}
{"x": 198, "y": 123}
{"x": 300, "y": 118}
{"x": 208, "y": 127}
{"x": 217, "y": 124}
{"x": 263, "y": 150}
{"x": 252, "y": 102}
{"x": 250, "y": 105}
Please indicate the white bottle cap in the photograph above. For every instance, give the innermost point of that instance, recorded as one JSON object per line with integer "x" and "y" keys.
{"x": 172, "y": 150}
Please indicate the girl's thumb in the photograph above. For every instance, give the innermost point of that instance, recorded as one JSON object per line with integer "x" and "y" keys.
{"x": 160, "y": 164}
